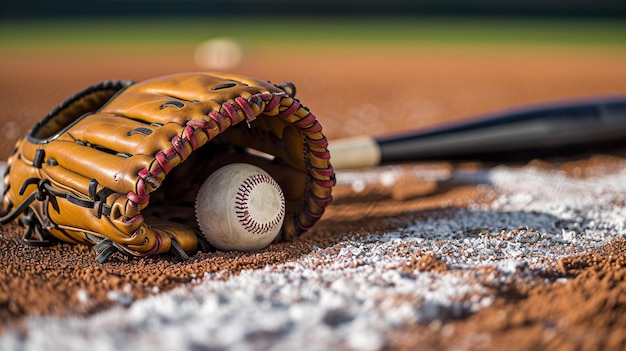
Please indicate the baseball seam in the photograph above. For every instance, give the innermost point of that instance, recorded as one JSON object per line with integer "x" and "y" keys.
{"x": 242, "y": 208}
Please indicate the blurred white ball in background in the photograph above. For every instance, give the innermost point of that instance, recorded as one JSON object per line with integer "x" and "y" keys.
{"x": 218, "y": 54}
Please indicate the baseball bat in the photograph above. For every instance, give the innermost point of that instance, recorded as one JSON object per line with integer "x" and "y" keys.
{"x": 522, "y": 133}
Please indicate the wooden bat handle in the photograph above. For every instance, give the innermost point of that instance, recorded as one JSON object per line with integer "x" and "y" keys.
{"x": 357, "y": 152}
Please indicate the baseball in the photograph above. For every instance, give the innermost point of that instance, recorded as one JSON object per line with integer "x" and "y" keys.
{"x": 240, "y": 207}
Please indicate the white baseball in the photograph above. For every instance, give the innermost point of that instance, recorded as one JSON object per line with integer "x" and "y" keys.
{"x": 240, "y": 207}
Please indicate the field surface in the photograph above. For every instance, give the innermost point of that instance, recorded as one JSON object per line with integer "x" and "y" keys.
{"x": 427, "y": 255}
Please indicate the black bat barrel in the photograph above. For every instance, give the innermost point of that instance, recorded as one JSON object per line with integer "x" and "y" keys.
{"x": 524, "y": 133}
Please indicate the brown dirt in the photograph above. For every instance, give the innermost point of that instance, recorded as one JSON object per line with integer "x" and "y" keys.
{"x": 585, "y": 313}
{"x": 351, "y": 94}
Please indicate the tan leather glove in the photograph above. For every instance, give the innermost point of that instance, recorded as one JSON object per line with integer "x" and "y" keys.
{"x": 119, "y": 164}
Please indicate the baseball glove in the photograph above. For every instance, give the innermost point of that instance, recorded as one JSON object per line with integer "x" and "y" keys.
{"x": 118, "y": 165}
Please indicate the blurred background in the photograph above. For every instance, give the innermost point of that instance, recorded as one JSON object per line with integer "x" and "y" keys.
{"x": 363, "y": 67}
{"x": 68, "y": 8}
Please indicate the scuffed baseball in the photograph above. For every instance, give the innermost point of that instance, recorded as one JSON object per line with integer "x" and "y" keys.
{"x": 240, "y": 207}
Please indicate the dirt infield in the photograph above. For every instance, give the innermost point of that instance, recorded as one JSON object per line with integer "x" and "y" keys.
{"x": 574, "y": 302}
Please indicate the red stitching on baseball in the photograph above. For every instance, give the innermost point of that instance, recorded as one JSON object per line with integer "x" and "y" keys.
{"x": 241, "y": 204}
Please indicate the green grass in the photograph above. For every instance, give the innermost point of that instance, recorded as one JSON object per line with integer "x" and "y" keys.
{"x": 339, "y": 32}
